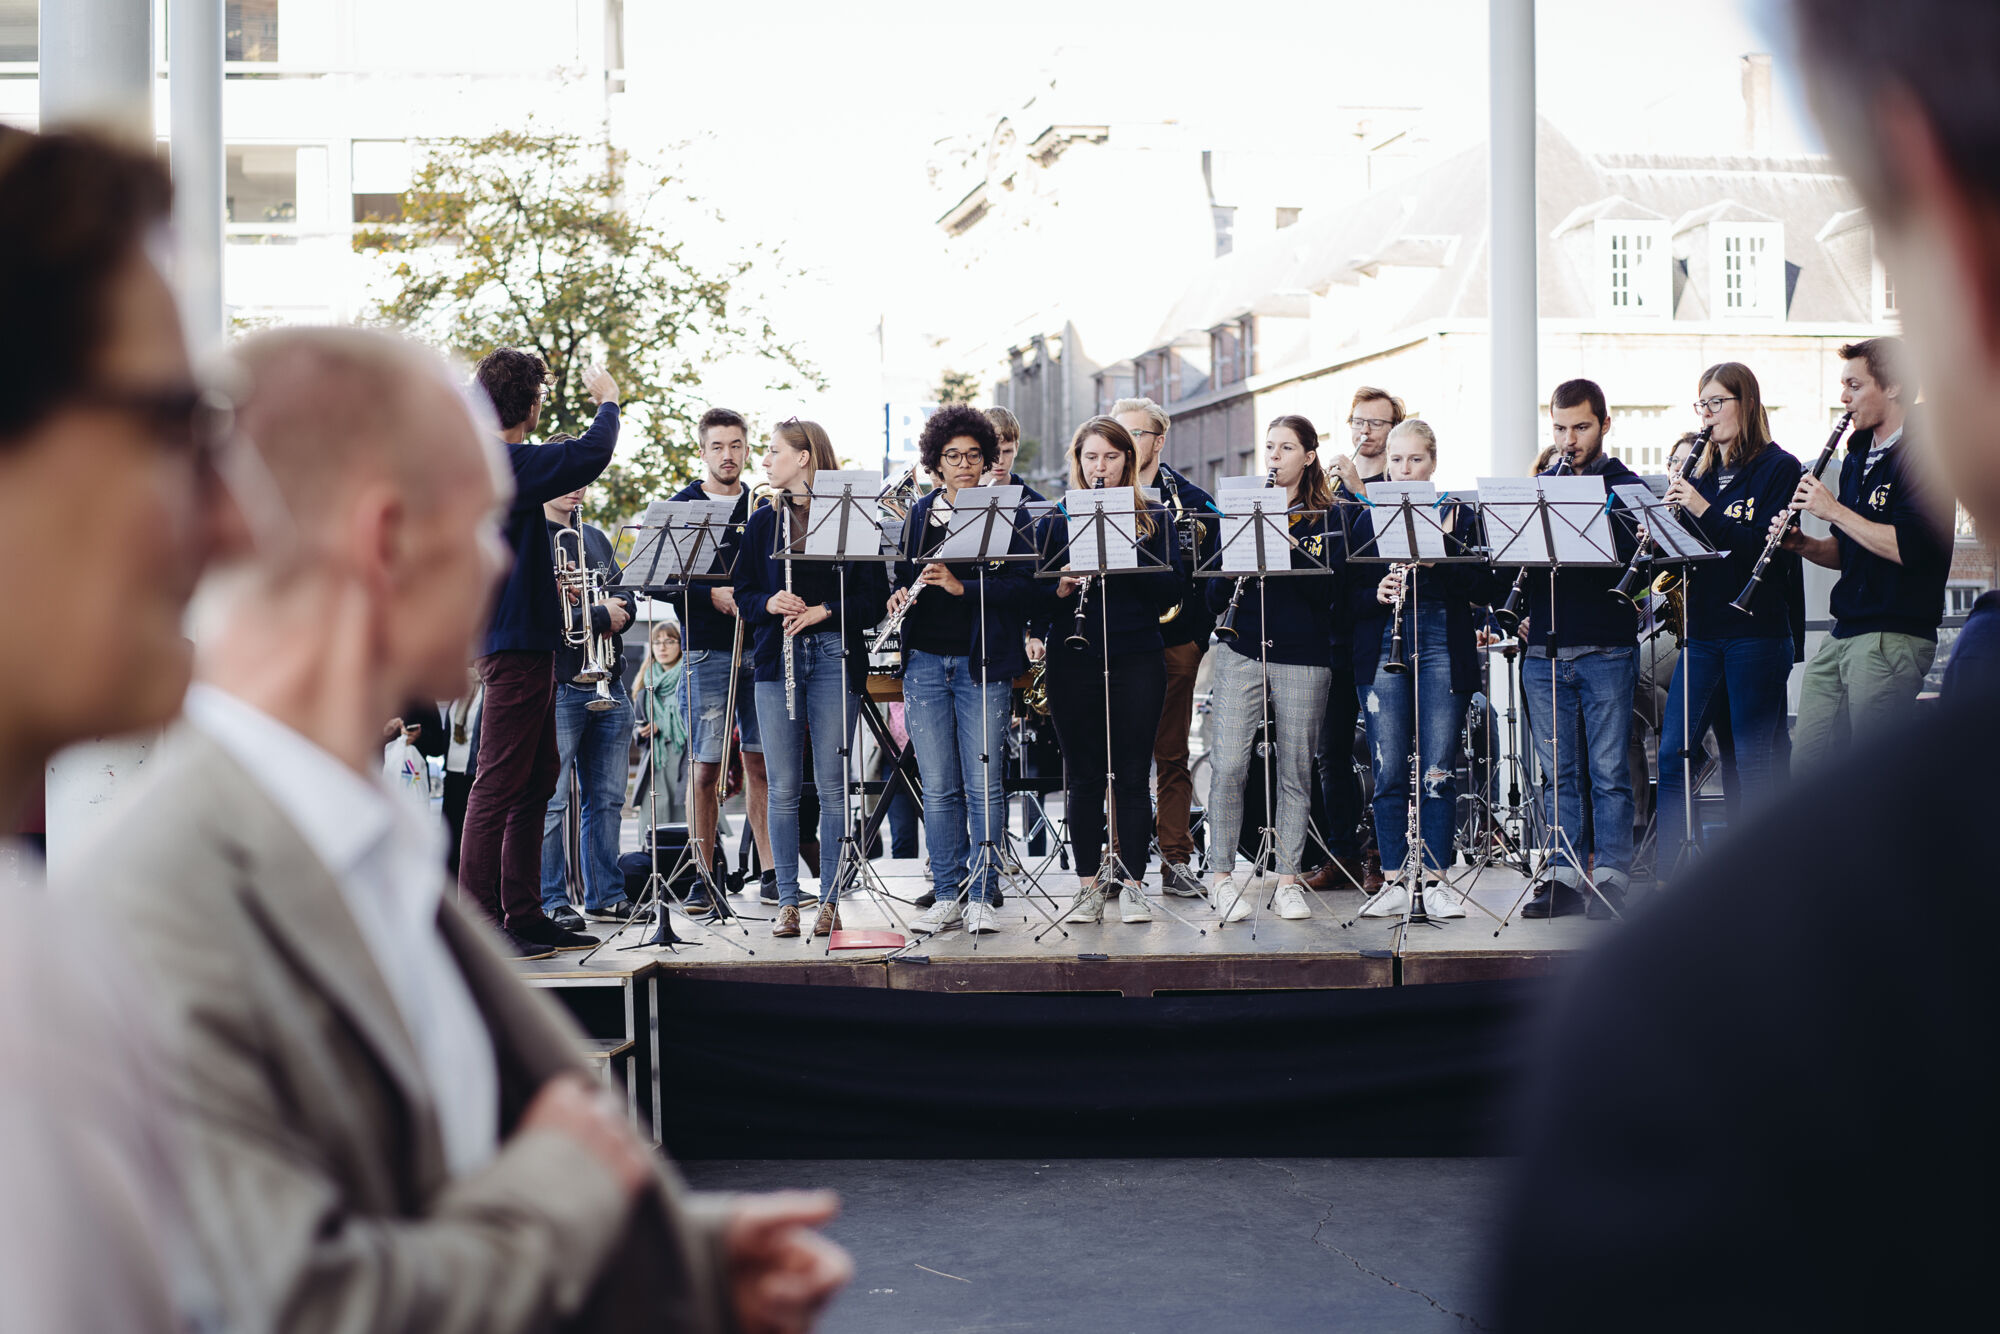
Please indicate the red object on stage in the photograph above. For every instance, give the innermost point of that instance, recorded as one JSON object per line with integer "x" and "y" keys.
{"x": 866, "y": 940}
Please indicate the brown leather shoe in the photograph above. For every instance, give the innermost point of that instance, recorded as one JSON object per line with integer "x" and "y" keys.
{"x": 828, "y": 920}
{"x": 1372, "y": 880}
{"x": 1340, "y": 873}
{"x": 788, "y": 921}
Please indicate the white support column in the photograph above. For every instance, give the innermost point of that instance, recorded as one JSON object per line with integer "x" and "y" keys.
{"x": 97, "y": 72}
{"x": 194, "y": 73}
{"x": 1513, "y": 287}
{"x": 97, "y": 67}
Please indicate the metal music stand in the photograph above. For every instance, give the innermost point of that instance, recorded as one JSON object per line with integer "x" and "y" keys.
{"x": 1525, "y": 526}
{"x": 1257, "y": 544}
{"x": 678, "y": 544}
{"x": 1096, "y": 548}
{"x": 843, "y": 525}
{"x": 1406, "y": 524}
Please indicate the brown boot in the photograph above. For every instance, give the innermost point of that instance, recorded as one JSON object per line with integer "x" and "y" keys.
{"x": 1372, "y": 879}
{"x": 1340, "y": 873}
{"x": 788, "y": 921}
{"x": 828, "y": 920}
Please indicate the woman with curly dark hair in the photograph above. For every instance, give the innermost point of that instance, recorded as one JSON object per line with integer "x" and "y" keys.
{"x": 962, "y": 648}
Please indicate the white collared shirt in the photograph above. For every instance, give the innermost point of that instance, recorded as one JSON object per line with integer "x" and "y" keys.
{"x": 387, "y": 856}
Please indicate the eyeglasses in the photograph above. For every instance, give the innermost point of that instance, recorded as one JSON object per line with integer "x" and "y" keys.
{"x": 959, "y": 458}
{"x": 1369, "y": 423}
{"x": 1155, "y": 434}
{"x": 188, "y": 419}
{"x": 1712, "y": 404}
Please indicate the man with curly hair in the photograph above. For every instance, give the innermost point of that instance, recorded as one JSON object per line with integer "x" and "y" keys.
{"x": 500, "y": 857}
{"x": 962, "y": 649}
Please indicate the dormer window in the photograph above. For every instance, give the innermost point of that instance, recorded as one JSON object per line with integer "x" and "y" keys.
{"x": 1747, "y": 267}
{"x": 1634, "y": 278}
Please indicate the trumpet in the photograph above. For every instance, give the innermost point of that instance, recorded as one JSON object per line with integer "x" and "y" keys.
{"x": 1508, "y": 613}
{"x": 1077, "y": 638}
{"x": 1225, "y": 628}
{"x": 1777, "y": 538}
{"x": 575, "y": 576}
{"x": 1395, "y": 665}
{"x": 1634, "y": 573}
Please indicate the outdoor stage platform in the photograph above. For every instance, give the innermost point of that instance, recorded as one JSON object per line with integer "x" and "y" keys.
{"x": 1332, "y": 1039}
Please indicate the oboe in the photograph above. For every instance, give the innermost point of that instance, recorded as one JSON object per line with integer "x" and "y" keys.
{"x": 1077, "y": 638}
{"x": 1225, "y": 629}
{"x": 1508, "y": 613}
{"x": 1777, "y": 538}
{"x": 1395, "y": 665}
{"x": 791, "y": 679}
{"x": 1628, "y": 582}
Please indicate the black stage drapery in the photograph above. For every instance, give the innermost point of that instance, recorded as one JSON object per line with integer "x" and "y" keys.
{"x": 765, "y": 1070}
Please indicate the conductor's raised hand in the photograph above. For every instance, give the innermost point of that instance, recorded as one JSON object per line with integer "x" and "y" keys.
{"x": 597, "y": 382}
{"x": 782, "y": 1273}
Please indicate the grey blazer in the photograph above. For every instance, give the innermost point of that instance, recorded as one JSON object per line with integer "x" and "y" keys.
{"x": 316, "y": 1170}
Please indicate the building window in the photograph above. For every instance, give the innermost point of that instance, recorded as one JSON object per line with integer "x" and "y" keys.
{"x": 20, "y": 31}
{"x": 1628, "y": 254}
{"x": 1633, "y": 281}
{"x": 1889, "y": 305}
{"x": 262, "y": 184}
{"x": 1749, "y": 270}
{"x": 1225, "y": 228}
{"x": 1225, "y": 351}
{"x": 1247, "y": 343}
{"x": 381, "y": 173}
{"x": 250, "y": 30}
{"x": 1741, "y": 256}
{"x": 1288, "y": 216}
{"x": 1960, "y": 597}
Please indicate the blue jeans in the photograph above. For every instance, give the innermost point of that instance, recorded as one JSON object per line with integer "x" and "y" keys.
{"x": 953, "y": 721}
{"x": 705, "y": 696}
{"x": 1390, "y": 706}
{"x": 1595, "y": 693}
{"x": 1748, "y": 677}
{"x": 829, "y": 713}
{"x": 599, "y": 744}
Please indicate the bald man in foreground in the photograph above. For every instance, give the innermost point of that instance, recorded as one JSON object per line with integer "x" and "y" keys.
{"x": 388, "y": 1131}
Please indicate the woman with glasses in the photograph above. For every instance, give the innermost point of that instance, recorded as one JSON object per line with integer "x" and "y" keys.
{"x": 1099, "y": 623}
{"x": 795, "y": 613}
{"x": 1273, "y": 655}
{"x": 1732, "y": 659}
{"x": 1421, "y": 708}
{"x": 962, "y": 649}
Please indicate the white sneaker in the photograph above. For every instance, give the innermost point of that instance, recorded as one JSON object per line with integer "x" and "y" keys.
{"x": 981, "y": 919}
{"x": 1132, "y": 905}
{"x": 1088, "y": 905}
{"x": 1231, "y": 904}
{"x": 1392, "y": 900}
{"x": 944, "y": 915}
{"x": 1441, "y": 900}
{"x": 1292, "y": 903}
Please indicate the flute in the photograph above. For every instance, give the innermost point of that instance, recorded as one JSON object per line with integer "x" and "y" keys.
{"x": 791, "y": 679}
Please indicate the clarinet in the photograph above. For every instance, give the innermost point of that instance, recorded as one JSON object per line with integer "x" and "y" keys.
{"x": 1395, "y": 666}
{"x": 1777, "y": 539}
{"x": 791, "y": 679}
{"x": 1508, "y": 613}
{"x": 1077, "y": 638}
{"x": 1225, "y": 629}
{"x": 1628, "y": 582}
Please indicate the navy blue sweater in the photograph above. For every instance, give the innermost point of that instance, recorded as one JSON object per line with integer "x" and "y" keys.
{"x": 760, "y": 576}
{"x": 1737, "y": 523}
{"x": 1299, "y": 607}
{"x": 1585, "y": 613}
{"x": 1876, "y": 595}
{"x": 1196, "y": 533}
{"x": 599, "y": 554}
{"x": 1027, "y": 492}
{"x": 1974, "y": 664}
{"x": 1137, "y": 598}
{"x": 706, "y": 627}
{"x": 527, "y": 617}
{"x": 1010, "y": 592}
{"x": 1459, "y": 586}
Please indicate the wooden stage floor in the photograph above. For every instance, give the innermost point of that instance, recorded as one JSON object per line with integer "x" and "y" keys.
{"x": 1165, "y": 956}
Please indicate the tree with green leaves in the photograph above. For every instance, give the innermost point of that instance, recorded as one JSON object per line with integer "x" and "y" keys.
{"x": 556, "y": 244}
{"x": 957, "y": 387}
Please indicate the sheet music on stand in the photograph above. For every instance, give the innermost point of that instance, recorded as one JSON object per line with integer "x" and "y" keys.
{"x": 843, "y": 520}
{"x": 1525, "y": 514}
{"x": 678, "y": 540}
{"x": 1102, "y": 521}
{"x": 978, "y": 515}
{"x": 1250, "y": 510}
{"x": 1395, "y": 529}
{"x": 1675, "y": 541}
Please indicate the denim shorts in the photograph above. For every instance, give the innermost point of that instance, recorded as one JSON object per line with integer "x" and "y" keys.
{"x": 707, "y": 678}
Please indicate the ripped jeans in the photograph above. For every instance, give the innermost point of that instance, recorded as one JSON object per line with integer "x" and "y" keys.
{"x": 1388, "y": 705}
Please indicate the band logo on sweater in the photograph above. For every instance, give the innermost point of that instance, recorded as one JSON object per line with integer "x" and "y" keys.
{"x": 1878, "y": 499}
{"x": 1743, "y": 511}
{"x": 1314, "y": 546}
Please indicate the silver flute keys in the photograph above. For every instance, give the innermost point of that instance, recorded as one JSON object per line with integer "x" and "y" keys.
{"x": 791, "y": 677}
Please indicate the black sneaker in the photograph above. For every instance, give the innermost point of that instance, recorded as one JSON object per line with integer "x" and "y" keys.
{"x": 1178, "y": 880}
{"x": 697, "y": 903}
{"x": 615, "y": 911}
{"x": 767, "y": 887}
{"x": 925, "y": 899}
{"x": 1552, "y": 898}
{"x": 524, "y": 949}
{"x": 1607, "y": 898}
{"x": 566, "y": 917}
{"x": 539, "y": 930}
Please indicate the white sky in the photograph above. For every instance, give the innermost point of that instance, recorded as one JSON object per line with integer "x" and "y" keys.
{"x": 810, "y": 125}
